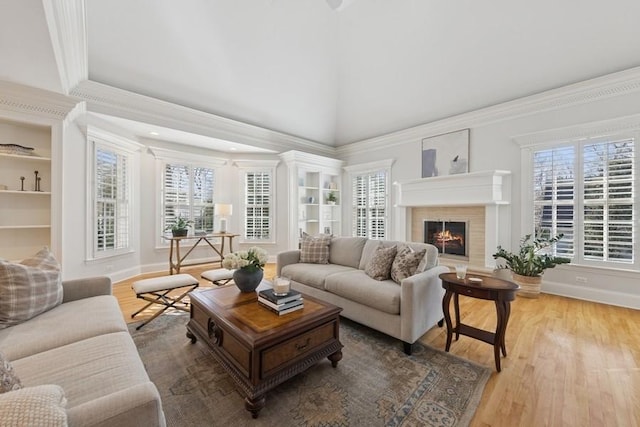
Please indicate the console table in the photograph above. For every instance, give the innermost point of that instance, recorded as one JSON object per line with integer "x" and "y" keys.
{"x": 176, "y": 261}
{"x": 502, "y": 292}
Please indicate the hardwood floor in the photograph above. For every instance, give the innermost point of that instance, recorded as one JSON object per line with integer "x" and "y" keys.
{"x": 569, "y": 363}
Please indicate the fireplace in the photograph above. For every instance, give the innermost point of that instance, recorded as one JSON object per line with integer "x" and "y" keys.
{"x": 450, "y": 237}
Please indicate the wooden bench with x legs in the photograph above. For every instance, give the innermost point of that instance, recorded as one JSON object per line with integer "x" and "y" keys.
{"x": 156, "y": 290}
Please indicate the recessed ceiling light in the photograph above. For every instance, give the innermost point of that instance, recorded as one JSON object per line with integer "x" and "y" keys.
{"x": 154, "y": 133}
{"x": 233, "y": 148}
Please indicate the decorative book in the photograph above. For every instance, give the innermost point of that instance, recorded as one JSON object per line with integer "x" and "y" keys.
{"x": 296, "y": 307}
{"x": 269, "y": 296}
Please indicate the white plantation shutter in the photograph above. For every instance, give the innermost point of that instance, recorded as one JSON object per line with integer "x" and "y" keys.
{"x": 188, "y": 193}
{"x": 369, "y": 215}
{"x": 553, "y": 190}
{"x": 609, "y": 201}
{"x": 112, "y": 207}
{"x": 258, "y": 199}
{"x": 595, "y": 212}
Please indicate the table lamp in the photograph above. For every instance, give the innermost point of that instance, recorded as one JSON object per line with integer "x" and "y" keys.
{"x": 223, "y": 210}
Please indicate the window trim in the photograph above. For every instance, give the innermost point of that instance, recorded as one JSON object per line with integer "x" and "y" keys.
{"x": 366, "y": 169}
{"x": 245, "y": 166}
{"x": 165, "y": 156}
{"x": 99, "y": 138}
{"x": 626, "y": 127}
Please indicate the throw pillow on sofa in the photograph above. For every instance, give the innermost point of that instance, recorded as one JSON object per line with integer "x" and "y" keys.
{"x": 405, "y": 263}
{"x": 315, "y": 249}
{"x": 41, "y": 405}
{"x": 29, "y": 288}
{"x": 8, "y": 379}
{"x": 379, "y": 266}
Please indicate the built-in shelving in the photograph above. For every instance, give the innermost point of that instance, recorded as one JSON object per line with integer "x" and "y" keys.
{"x": 25, "y": 212}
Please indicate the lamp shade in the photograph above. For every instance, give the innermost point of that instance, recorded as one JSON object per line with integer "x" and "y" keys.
{"x": 223, "y": 209}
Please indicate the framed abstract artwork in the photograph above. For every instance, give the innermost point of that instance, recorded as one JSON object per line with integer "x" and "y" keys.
{"x": 446, "y": 154}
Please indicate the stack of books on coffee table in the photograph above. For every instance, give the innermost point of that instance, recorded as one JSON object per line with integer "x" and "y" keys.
{"x": 280, "y": 304}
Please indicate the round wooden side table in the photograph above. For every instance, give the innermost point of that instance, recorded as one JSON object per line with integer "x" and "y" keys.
{"x": 502, "y": 292}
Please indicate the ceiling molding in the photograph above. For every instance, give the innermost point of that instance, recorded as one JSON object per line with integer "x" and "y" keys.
{"x": 118, "y": 102}
{"x": 608, "y": 86}
{"x": 168, "y": 155}
{"x": 300, "y": 157}
{"x": 585, "y": 130}
{"x": 33, "y": 104}
{"x": 68, "y": 32}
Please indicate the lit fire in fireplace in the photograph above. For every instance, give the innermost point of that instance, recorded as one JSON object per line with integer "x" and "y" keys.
{"x": 448, "y": 236}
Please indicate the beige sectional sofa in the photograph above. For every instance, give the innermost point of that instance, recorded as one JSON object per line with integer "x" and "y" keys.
{"x": 83, "y": 345}
{"x": 404, "y": 311}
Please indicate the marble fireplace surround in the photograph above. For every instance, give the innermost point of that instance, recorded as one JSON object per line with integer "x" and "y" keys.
{"x": 481, "y": 198}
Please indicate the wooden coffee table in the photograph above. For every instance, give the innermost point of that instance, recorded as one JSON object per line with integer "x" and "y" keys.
{"x": 258, "y": 348}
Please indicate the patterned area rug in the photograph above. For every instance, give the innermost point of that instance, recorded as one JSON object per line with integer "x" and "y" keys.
{"x": 375, "y": 383}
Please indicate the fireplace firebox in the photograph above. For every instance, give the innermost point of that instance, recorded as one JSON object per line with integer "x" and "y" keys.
{"x": 450, "y": 237}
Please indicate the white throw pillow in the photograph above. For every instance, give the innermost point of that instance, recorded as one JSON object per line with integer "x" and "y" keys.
{"x": 29, "y": 288}
{"x": 41, "y": 405}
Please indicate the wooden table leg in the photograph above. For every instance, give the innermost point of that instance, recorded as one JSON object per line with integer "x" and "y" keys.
{"x": 254, "y": 405}
{"x": 171, "y": 257}
{"x": 498, "y": 343}
{"x": 177, "y": 264}
{"x": 446, "y": 302}
{"x": 456, "y": 308}
{"x": 507, "y": 306}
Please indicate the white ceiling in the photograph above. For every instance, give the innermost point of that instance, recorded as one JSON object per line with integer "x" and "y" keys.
{"x": 299, "y": 67}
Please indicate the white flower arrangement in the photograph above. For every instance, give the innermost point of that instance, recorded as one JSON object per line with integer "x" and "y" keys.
{"x": 253, "y": 259}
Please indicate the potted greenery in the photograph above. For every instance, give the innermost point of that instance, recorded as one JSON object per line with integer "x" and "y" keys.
{"x": 180, "y": 227}
{"x": 248, "y": 267}
{"x": 332, "y": 198}
{"x": 530, "y": 262}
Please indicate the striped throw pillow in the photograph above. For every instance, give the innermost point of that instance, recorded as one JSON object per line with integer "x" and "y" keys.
{"x": 29, "y": 288}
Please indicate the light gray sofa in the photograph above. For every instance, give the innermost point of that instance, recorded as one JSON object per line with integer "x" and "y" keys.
{"x": 404, "y": 311}
{"x": 83, "y": 345}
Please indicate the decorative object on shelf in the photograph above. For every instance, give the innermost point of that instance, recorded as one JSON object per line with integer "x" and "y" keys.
{"x": 22, "y": 183}
{"x": 333, "y": 186}
{"x": 38, "y": 183}
{"x": 530, "y": 262}
{"x": 331, "y": 198}
{"x": 16, "y": 149}
{"x": 35, "y": 184}
{"x": 180, "y": 228}
{"x": 3, "y": 187}
{"x": 223, "y": 210}
{"x": 248, "y": 266}
{"x": 311, "y": 200}
{"x": 446, "y": 154}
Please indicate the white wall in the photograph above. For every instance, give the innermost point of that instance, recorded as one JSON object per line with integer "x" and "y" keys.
{"x": 491, "y": 147}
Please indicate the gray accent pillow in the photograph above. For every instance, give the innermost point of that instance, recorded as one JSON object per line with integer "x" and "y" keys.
{"x": 29, "y": 288}
{"x": 346, "y": 251}
{"x": 379, "y": 266}
{"x": 405, "y": 263}
{"x": 9, "y": 381}
{"x": 315, "y": 249}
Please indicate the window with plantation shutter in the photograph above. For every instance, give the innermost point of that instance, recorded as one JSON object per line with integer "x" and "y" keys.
{"x": 370, "y": 200}
{"x": 257, "y": 204}
{"x": 111, "y": 200}
{"x": 187, "y": 192}
{"x": 586, "y": 190}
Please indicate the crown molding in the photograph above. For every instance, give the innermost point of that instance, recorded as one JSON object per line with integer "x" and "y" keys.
{"x": 32, "y": 104}
{"x": 114, "y": 101}
{"x": 255, "y": 163}
{"x": 586, "y": 130}
{"x": 189, "y": 157}
{"x": 378, "y": 165}
{"x": 592, "y": 90}
{"x": 295, "y": 156}
{"x": 68, "y": 32}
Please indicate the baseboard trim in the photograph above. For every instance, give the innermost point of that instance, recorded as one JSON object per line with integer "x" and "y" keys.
{"x": 590, "y": 294}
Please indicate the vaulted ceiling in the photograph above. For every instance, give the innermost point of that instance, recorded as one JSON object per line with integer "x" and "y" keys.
{"x": 332, "y": 76}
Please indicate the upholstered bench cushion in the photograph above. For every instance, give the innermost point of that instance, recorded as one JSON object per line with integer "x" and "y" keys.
{"x": 217, "y": 275}
{"x": 163, "y": 283}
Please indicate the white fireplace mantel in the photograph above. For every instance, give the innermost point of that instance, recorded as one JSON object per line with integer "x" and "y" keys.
{"x": 491, "y": 189}
{"x": 475, "y": 188}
